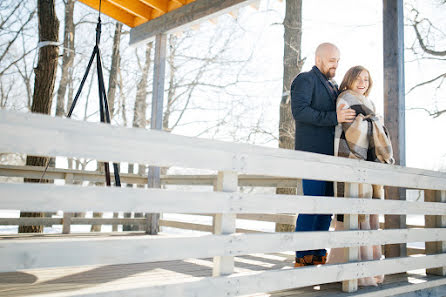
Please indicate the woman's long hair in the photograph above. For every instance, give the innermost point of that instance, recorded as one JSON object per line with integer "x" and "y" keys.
{"x": 350, "y": 77}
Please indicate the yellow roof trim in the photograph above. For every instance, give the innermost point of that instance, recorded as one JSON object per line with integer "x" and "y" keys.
{"x": 135, "y": 12}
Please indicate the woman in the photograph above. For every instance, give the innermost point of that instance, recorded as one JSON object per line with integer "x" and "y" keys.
{"x": 365, "y": 138}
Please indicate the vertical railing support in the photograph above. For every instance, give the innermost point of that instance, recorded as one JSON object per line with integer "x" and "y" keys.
{"x": 351, "y": 222}
{"x": 224, "y": 223}
{"x": 66, "y": 225}
{"x": 437, "y": 247}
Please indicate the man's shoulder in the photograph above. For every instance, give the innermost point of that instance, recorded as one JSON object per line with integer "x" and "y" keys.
{"x": 304, "y": 76}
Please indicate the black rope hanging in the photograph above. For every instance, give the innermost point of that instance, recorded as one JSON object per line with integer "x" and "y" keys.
{"x": 103, "y": 102}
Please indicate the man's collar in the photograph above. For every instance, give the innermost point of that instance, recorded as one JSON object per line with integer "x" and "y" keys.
{"x": 319, "y": 72}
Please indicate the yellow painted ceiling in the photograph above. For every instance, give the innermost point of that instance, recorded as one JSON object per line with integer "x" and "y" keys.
{"x": 135, "y": 12}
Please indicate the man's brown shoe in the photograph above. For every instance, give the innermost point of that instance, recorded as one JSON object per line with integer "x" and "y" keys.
{"x": 304, "y": 261}
{"x": 320, "y": 260}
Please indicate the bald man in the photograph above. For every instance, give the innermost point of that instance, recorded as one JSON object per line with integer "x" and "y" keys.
{"x": 313, "y": 104}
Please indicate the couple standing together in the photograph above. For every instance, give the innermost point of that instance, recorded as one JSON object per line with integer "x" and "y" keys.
{"x": 340, "y": 122}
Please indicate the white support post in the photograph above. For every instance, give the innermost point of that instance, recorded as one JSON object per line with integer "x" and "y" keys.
{"x": 351, "y": 222}
{"x": 66, "y": 225}
{"x": 437, "y": 247}
{"x": 156, "y": 121}
{"x": 224, "y": 223}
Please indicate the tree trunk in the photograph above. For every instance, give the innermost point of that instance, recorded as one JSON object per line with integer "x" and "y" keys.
{"x": 67, "y": 58}
{"x": 292, "y": 65}
{"x": 45, "y": 76}
{"x": 140, "y": 118}
{"x": 172, "y": 89}
{"x": 115, "y": 64}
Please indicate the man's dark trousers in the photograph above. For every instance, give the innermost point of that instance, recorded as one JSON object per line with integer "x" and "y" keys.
{"x": 314, "y": 222}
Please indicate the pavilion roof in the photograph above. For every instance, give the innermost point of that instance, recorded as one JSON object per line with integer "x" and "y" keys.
{"x": 136, "y": 12}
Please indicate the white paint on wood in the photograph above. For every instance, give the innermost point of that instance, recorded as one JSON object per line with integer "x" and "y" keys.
{"x": 36, "y": 221}
{"x": 274, "y": 280}
{"x": 351, "y": 254}
{"x": 96, "y": 176}
{"x": 49, "y": 252}
{"x": 70, "y": 138}
{"x": 224, "y": 223}
{"x": 439, "y": 246}
{"x": 66, "y": 222}
{"x": 51, "y": 198}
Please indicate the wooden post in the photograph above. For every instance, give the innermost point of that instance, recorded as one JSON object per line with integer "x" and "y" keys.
{"x": 66, "y": 225}
{"x": 156, "y": 121}
{"x": 351, "y": 222}
{"x": 224, "y": 223}
{"x": 394, "y": 106}
{"x": 436, "y": 247}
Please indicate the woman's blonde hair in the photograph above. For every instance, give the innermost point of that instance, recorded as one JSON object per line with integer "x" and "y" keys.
{"x": 350, "y": 77}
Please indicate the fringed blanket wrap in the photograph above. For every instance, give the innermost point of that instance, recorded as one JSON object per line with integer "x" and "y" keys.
{"x": 365, "y": 138}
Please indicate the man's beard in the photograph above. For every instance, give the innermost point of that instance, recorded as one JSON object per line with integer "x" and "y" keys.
{"x": 328, "y": 75}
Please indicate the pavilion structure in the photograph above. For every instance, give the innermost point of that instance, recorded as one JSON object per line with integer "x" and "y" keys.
{"x": 155, "y": 19}
{"x": 230, "y": 261}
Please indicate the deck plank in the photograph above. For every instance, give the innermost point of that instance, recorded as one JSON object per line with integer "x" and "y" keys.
{"x": 69, "y": 281}
{"x": 73, "y": 281}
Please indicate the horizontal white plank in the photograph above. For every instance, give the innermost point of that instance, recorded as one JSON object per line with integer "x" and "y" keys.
{"x": 30, "y": 221}
{"x": 274, "y": 280}
{"x": 37, "y": 253}
{"x": 50, "y": 198}
{"x": 96, "y": 176}
{"x": 414, "y": 288}
{"x": 70, "y": 138}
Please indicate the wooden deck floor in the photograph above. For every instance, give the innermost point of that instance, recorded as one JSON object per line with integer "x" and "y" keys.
{"x": 71, "y": 281}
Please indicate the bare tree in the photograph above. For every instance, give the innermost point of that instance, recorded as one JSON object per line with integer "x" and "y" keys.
{"x": 45, "y": 76}
{"x": 115, "y": 65}
{"x": 424, "y": 47}
{"x": 16, "y": 24}
{"x": 292, "y": 65}
{"x": 67, "y": 57}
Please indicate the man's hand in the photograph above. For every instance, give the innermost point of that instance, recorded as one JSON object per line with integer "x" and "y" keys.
{"x": 345, "y": 115}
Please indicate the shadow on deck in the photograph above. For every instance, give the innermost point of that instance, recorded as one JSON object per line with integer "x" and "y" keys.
{"x": 86, "y": 280}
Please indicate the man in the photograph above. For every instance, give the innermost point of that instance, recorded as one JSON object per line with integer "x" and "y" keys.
{"x": 313, "y": 104}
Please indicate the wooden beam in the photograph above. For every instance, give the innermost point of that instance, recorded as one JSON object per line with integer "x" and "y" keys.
{"x": 156, "y": 121}
{"x": 185, "y": 16}
{"x": 394, "y": 103}
{"x": 115, "y": 12}
{"x": 134, "y": 7}
{"x": 49, "y": 198}
{"x": 96, "y": 176}
{"x": 160, "y": 5}
{"x": 181, "y": 2}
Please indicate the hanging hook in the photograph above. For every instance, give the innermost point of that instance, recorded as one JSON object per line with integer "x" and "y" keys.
{"x": 98, "y": 27}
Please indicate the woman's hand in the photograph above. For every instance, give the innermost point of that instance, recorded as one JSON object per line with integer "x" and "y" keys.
{"x": 345, "y": 115}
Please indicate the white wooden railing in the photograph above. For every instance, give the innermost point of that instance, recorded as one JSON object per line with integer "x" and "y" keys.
{"x": 46, "y": 136}
{"x": 70, "y": 176}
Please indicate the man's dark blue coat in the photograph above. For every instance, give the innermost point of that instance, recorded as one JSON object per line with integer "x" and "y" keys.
{"x": 313, "y": 104}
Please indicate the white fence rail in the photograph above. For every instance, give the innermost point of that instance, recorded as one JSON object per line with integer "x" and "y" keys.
{"x": 45, "y": 136}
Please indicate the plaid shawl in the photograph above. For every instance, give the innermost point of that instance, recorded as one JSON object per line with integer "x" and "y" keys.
{"x": 366, "y": 137}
